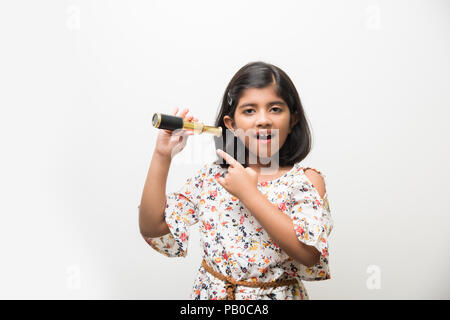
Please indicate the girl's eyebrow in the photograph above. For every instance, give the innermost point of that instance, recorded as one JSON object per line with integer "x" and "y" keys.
{"x": 250, "y": 104}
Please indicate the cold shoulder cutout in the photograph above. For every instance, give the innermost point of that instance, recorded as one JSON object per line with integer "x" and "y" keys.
{"x": 317, "y": 180}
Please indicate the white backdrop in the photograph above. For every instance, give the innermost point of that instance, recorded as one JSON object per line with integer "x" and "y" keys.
{"x": 81, "y": 79}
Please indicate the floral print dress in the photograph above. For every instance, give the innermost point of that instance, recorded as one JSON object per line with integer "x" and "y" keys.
{"x": 233, "y": 241}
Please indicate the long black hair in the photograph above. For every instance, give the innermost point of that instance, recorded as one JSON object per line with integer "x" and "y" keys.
{"x": 260, "y": 75}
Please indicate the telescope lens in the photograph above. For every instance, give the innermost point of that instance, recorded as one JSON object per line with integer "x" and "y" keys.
{"x": 155, "y": 119}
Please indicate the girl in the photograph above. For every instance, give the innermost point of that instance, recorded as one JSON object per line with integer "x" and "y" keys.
{"x": 261, "y": 234}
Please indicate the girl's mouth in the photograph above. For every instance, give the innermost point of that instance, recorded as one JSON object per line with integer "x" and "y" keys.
{"x": 264, "y": 139}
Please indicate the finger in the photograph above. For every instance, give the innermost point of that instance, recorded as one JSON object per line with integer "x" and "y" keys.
{"x": 221, "y": 181}
{"x": 179, "y": 132}
{"x": 229, "y": 159}
{"x": 184, "y": 112}
{"x": 183, "y": 132}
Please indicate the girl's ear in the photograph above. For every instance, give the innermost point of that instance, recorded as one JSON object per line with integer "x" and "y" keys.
{"x": 294, "y": 119}
{"x": 229, "y": 123}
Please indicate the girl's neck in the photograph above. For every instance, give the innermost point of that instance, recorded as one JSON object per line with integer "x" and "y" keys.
{"x": 269, "y": 169}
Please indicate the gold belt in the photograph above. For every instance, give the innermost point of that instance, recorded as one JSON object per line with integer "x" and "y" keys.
{"x": 230, "y": 283}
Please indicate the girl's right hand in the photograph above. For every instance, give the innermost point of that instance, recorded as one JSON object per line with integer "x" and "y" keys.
{"x": 169, "y": 143}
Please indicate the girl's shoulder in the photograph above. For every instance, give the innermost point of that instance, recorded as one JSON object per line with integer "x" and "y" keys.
{"x": 315, "y": 178}
{"x": 314, "y": 175}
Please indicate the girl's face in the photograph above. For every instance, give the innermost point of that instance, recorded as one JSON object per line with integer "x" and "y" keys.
{"x": 261, "y": 110}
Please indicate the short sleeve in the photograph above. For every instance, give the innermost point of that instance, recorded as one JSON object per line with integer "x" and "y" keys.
{"x": 313, "y": 223}
{"x": 181, "y": 212}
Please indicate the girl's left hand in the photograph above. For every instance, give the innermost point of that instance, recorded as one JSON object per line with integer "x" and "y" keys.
{"x": 239, "y": 181}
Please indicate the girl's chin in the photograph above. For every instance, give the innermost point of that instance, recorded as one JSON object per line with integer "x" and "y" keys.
{"x": 263, "y": 153}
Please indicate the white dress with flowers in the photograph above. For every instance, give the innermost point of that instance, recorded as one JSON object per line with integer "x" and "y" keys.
{"x": 233, "y": 241}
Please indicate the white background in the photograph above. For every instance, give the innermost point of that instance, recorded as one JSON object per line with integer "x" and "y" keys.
{"x": 80, "y": 81}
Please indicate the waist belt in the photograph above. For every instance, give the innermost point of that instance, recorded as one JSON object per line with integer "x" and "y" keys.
{"x": 230, "y": 283}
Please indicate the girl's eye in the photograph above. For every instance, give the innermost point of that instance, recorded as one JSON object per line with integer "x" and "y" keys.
{"x": 245, "y": 111}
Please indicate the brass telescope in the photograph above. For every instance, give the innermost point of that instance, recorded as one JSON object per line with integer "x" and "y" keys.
{"x": 172, "y": 123}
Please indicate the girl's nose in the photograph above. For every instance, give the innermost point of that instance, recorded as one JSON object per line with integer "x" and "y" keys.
{"x": 263, "y": 119}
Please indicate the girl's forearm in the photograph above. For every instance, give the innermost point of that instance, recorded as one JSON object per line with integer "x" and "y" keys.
{"x": 280, "y": 228}
{"x": 153, "y": 201}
